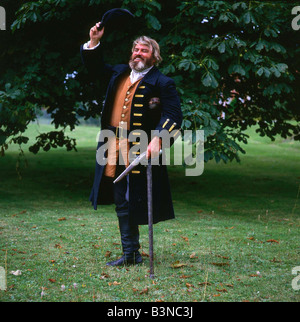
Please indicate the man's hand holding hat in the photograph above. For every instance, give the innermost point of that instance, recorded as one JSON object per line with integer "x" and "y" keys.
{"x": 95, "y": 35}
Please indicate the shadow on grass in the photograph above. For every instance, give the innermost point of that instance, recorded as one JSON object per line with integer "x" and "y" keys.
{"x": 65, "y": 178}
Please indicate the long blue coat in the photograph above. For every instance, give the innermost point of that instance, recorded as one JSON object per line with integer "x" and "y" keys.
{"x": 168, "y": 117}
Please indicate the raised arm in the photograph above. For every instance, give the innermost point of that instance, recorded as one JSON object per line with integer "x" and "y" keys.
{"x": 91, "y": 55}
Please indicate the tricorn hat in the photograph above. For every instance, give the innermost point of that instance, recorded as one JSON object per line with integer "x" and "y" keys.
{"x": 115, "y": 18}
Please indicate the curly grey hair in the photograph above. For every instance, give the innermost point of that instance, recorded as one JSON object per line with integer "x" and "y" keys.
{"x": 152, "y": 44}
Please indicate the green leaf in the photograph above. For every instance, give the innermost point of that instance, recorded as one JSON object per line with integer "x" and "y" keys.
{"x": 187, "y": 124}
{"x": 153, "y": 21}
{"x": 282, "y": 67}
{"x": 260, "y": 71}
{"x": 237, "y": 68}
{"x": 209, "y": 80}
{"x": 222, "y": 47}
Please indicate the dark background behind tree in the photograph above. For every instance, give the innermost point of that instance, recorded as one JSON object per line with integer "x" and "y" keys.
{"x": 209, "y": 47}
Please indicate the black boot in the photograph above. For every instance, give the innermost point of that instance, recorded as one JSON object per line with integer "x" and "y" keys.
{"x": 130, "y": 244}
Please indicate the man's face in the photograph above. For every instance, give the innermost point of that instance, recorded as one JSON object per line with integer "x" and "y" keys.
{"x": 141, "y": 58}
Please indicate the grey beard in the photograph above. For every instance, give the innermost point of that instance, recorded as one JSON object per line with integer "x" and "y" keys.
{"x": 138, "y": 66}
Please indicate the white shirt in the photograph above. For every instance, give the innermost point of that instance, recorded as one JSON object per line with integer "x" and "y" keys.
{"x": 134, "y": 75}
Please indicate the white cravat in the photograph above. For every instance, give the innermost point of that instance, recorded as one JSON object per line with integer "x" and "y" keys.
{"x": 134, "y": 75}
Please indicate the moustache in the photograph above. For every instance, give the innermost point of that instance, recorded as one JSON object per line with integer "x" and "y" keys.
{"x": 133, "y": 58}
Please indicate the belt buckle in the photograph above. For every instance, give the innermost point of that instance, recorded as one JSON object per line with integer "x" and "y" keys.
{"x": 118, "y": 135}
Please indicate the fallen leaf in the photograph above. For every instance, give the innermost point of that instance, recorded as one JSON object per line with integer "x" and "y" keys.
{"x": 216, "y": 295}
{"x": 52, "y": 261}
{"x": 229, "y": 228}
{"x": 144, "y": 254}
{"x": 189, "y": 285}
{"x": 107, "y": 254}
{"x": 135, "y": 290}
{"x": 185, "y": 238}
{"x": 272, "y": 241}
{"x": 223, "y": 290}
{"x": 224, "y": 257}
{"x": 204, "y": 283}
{"x": 250, "y": 238}
{"x": 193, "y": 255}
{"x": 104, "y": 275}
{"x": 116, "y": 283}
{"x": 177, "y": 265}
{"x": 229, "y": 285}
{"x": 185, "y": 276}
{"x": 144, "y": 291}
{"x": 221, "y": 264}
{"x": 52, "y": 280}
{"x": 58, "y": 246}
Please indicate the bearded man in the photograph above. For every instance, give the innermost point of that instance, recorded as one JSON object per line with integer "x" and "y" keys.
{"x": 139, "y": 98}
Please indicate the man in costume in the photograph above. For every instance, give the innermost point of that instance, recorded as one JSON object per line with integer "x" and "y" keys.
{"x": 138, "y": 98}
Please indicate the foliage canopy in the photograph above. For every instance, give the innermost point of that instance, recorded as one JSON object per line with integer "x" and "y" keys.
{"x": 241, "y": 58}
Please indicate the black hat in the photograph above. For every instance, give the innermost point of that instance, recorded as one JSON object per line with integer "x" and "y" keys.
{"x": 116, "y": 18}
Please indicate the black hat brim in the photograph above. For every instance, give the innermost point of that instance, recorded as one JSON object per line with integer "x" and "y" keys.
{"x": 116, "y": 19}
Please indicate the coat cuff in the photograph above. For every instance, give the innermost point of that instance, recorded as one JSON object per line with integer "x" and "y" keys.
{"x": 168, "y": 125}
{"x": 86, "y": 46}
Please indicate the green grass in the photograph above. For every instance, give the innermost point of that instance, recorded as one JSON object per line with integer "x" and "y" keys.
{"x": 217, "y": 249}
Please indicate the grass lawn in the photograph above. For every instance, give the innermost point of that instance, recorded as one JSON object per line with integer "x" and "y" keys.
{"x": 235, "y": 236}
